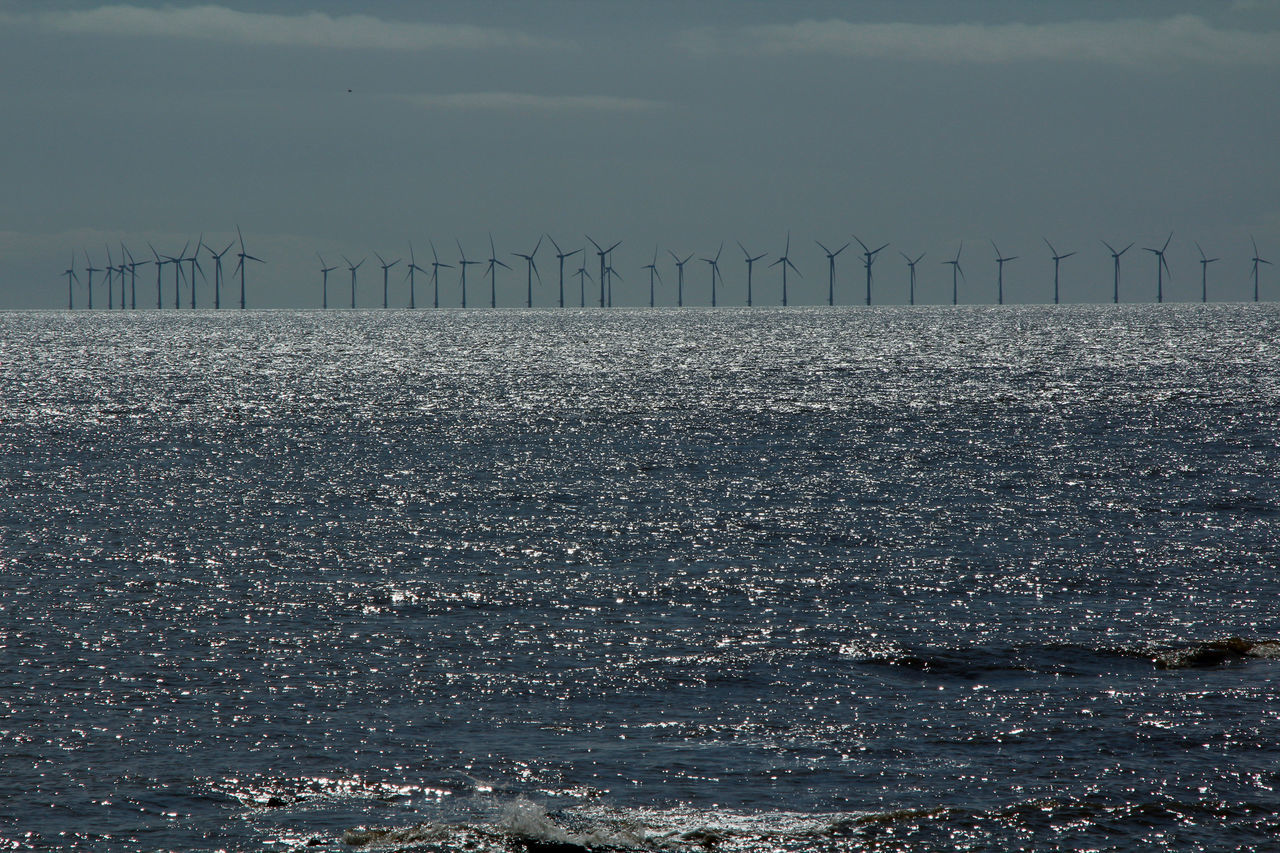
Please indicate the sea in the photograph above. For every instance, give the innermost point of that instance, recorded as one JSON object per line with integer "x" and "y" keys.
{"x": 792, "y": 579}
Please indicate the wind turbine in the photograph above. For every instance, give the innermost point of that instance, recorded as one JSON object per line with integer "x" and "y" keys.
{"x": 1162, "y": 266}
{"x": 133, "y": 278}
{"x": 70, "y": 273}
{"x": 412, "y": 268}
{"x": 1204, "y": 267}
{"x": 195, "y": 264}
{"x": 581, "y": 281}
{"x": 715, "y": 272}
{"x": 611, "y": 272}
{"x": 110, "y": 270}
{"x": 531, "y": 269}
{"x": 868, "y": 258}
{"x": 1056, "y": 260}
{"x": 652, "y": 267}
{"x": 217, "y": 272}
{"x": 159, "y": 269}
{"x": 324, "y": 281}
{"x": 911, "y": 265}
{"x": 602, "y": 252}
{"x": 561, "y": 255}
{"x": 386, "y": 291}
{"x": 91, "y": 269}
{"x": 1256, "y": 260}
{"x": 435, "y": 274}
{"x": 353, "y": 268}
{"x": 1000, "y": 262}
{"x": 831, "y": 271}
{"x": 463, "y": 263}
{"x": 243, "y": 256}
{"x": 494, "y": 263}
{"x": 178, "y": 274}
{"x": 955, "y": 268}
{"x": 679, "y": 276}
{"x": 1115, "y": 257}
{"x": 785, "y": 261}
{"x": 750, "y": 262}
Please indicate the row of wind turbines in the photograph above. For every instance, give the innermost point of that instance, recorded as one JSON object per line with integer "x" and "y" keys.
{"x": 606, "y": 274}
{"x": 180, "y": 276}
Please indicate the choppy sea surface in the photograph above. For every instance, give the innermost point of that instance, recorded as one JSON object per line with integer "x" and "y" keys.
{"x": 901, "y": 579}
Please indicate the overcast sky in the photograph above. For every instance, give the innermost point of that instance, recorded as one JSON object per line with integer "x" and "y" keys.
{"x": 673, "y": 124}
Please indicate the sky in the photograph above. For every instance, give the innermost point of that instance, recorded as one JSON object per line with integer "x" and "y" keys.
{"x": 349, "y": 129}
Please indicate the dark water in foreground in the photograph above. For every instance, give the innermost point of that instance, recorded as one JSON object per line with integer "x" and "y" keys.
{"x": 893, "y": 579}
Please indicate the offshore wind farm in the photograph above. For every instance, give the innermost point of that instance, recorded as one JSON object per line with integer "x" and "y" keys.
{"x": 860, "y": 434}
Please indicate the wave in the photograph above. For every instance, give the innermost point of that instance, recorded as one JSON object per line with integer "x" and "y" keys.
{"x": 1218, "y": 652}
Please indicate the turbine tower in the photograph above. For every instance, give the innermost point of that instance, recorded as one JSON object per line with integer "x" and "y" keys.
{"x": 560, "y": 256}
{"x": 611, "y": 272}
{"x": 869, "y": 258}
{"x": 1204, "y": 267}
{"x": 955, "y": 268}
{"x": 1115, "y": 258}
{"x": 1056, "y": 260}
{"x": 831, "y": 271}
{"x": 195, "y": 264}
{"x": 911, "y": 265}
{"x": 715, "y": 272}
{"x": 494, "y": 263}
{"x": 1162, "y": 266}
{"x": 436, "y": 266}
{"x": 159, "y": 269}
{"x": 386, "y": 289}
{"x": 353, "y": 268}
{"x": 679, "y": 276}
{"x": 240, "y": 265}
{"x": 110, "y": 270}
{"x": 217, "y": 272}
{"x": 531, "y": 269}
{"x": 1000, "y": 262}
{"x": 750, "y": 262}
{"x": 582, "y": 275}
{"x": 412, "y": 268}
{"x": 652, "y": 267}
{"x": 1256, "y": 260}
{"x": 324, "y": 281}
{"x": 178, "y": 274}
{"x": 463, "y": 263}
{"x": 91, "y": 269}
{"x": 70, "y": 273}
{"x": 602, "y": 253}
{"x": 785, "y": 261}
{"x": 133, "y": 278}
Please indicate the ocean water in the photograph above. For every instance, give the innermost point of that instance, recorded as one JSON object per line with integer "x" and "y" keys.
{"x": 899, "y": 579}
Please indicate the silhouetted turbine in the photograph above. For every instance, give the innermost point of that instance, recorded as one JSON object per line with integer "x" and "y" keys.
{"x": 217, "y": 272}
{"x": 1000, "y": 262}
{"x": 110, "y": 270}
{"x": 353, "y": 268}
{"x": 602, "y": 253}
{"x": 494, "y": 263}
{"x": 560, "y": 256}
{"x": 911, "y": 265}
{"x": 70, "y": 273}
{"x": 583, "y": 275}
{"x": 1056, "y": 260}
{"x": 436, "y": 266}
{"x": 1256, "y": 260}
{"x": 955, "y": 268}
{"x": 1204, "y": 266}
{"x": 750, "y": 263}
{"x": 463, "y": 263}
{"x": 715, "y": 272}
{"x": 91, "y": 269}
{"x": 531, "y": 269}
{"x": 178, "y": 274}
{"x": 324, "y": 282}
{"x": 159, "y": 269}
{"x": 869, "y": 257}
{"x": 1115, "y": 258}
{"x": 386, "y": 289}
{"x": 195, "y": 265}
{"x": 133, "y": 278}
{"x": 243, "y": 256}
{"x": 409, "y": 274}
{"x": 831, "y": 270}
{"x": 1162, "y": 266}
{"x": 652, "y": 267}
{"x": 679, "y": 276}
{"x": 785, "y": 261}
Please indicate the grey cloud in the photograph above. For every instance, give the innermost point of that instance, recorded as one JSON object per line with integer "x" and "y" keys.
{"x": 1175, "y": 40}
{"x": 524, "y": 102}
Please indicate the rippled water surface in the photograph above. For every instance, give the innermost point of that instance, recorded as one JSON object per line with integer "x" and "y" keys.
{"x": 890, "y": 579}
